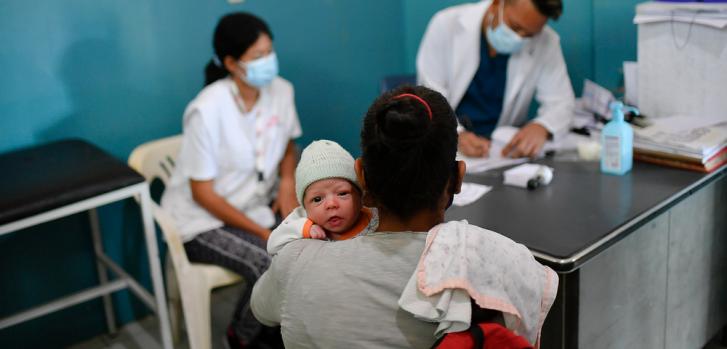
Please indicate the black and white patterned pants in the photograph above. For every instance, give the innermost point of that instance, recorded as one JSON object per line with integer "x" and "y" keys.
{"x": 239, "y": 251}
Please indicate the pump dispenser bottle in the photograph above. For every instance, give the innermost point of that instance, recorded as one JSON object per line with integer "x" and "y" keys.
{"x": 617, "y": 139}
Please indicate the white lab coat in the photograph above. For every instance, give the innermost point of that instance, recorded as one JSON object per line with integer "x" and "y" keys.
{"x": 449, "y": 55}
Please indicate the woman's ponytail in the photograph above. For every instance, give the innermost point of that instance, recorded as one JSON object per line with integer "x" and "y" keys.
{"x": 214, "y": 72}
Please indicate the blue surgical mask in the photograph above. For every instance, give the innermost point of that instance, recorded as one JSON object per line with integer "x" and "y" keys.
{"x": 503, "y": 39}
{"x": 262, "y": 71}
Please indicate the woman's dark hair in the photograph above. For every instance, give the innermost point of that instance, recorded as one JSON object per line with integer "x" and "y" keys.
{"x": 407, "y": 157}
{"x": 234, "y": 34}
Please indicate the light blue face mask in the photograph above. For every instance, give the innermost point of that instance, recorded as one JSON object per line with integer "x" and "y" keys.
{"x": 503, "y": 39}
{"x": 262, "y": 71}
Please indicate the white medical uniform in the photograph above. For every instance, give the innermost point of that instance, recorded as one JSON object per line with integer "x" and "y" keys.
{"x": 239, "y": 150}
{"x": 449, "y": 55}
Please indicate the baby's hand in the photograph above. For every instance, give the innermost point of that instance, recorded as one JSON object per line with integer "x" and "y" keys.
{"x": 316, "y": 232}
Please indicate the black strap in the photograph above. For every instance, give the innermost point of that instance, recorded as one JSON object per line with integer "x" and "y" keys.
{"x": 477, "y": 336}
{"x": 439, "y": 341}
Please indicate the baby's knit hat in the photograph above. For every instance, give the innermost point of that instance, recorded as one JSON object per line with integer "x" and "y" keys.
{"x": 321, "y": 160}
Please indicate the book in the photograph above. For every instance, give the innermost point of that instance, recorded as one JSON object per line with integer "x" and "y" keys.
{"x": 675, "y": 160}
{"x": 693, "y": 137}
{"x": 675, "y": 155}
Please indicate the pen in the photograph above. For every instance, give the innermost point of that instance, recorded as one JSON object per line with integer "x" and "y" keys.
{"x": 581, "y": 130}
{"x": 466, "y": 123}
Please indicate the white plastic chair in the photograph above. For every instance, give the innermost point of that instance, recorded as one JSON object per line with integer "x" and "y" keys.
{"x": 192, "y": 281}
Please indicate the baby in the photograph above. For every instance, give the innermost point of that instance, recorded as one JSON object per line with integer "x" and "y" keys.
{"x": 330, "y": 197}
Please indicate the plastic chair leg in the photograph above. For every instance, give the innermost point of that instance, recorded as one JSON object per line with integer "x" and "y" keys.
{"x": 174, "y": 301}
{"x": 196, "y": 304}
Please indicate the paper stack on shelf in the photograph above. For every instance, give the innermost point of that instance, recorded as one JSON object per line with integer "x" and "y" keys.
{"x": 698, "y": 144}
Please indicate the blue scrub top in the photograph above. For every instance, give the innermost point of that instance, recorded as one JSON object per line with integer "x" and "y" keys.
{"x": 481, "y": 105}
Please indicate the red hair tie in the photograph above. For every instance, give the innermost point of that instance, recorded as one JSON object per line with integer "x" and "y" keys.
{"x": 421, "y": 100}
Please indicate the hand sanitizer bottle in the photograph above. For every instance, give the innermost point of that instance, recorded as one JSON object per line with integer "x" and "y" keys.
{"x": 617, "y": 139}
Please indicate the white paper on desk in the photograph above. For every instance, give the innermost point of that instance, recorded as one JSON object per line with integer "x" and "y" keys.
{"x": 597, "y": 98}
{"x": 469, "y": 193}
{"x": 569, "y": 141}
{"x": 503, "y": 134}
{"x": 494, "y": 161}
{"x": 500, "y": 137}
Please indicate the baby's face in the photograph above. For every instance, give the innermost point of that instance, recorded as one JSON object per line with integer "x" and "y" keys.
{"x": 332, "y": 203}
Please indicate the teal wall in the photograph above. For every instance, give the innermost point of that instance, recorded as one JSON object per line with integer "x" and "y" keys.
{"x": 596, "y": 36}
{"x": 120, "y": 73}
{"x": 614, "y": 40}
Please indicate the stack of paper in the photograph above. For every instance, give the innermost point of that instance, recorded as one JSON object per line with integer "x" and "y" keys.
{"x": 695, "y": 143}
{"x": 712, "y": 15}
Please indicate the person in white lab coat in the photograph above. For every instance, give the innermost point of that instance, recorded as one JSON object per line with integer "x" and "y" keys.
{"x": 237, "y": 148}
{"x": 489, "y": 59}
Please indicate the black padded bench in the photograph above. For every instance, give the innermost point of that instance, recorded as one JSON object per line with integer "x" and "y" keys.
{"x": 58, "y": 179}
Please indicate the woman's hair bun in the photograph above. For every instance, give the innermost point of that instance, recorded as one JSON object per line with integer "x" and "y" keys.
{"x": 408, "y": 147}
{"x": 403, "y": 122}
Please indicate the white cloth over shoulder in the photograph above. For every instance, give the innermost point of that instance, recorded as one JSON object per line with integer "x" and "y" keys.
{"x": 461, "y": 261}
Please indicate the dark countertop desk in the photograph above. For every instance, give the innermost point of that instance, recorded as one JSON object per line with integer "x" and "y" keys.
{"x": 581, "y": 212}
{"x": 608, "y": 237}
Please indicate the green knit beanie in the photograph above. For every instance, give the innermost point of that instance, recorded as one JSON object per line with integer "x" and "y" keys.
{"x": 321, "y": 160}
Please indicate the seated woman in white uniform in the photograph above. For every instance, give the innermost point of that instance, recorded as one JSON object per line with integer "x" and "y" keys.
{"x": 236, "y": 165}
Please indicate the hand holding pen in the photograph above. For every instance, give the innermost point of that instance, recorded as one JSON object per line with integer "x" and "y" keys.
{"x": 471, "y": 144}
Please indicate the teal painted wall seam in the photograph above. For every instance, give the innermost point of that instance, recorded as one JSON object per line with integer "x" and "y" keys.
{"x": 592, "y": 15}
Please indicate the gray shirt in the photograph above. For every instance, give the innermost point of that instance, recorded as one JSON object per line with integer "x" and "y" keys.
{"x": 343, "y": 294}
